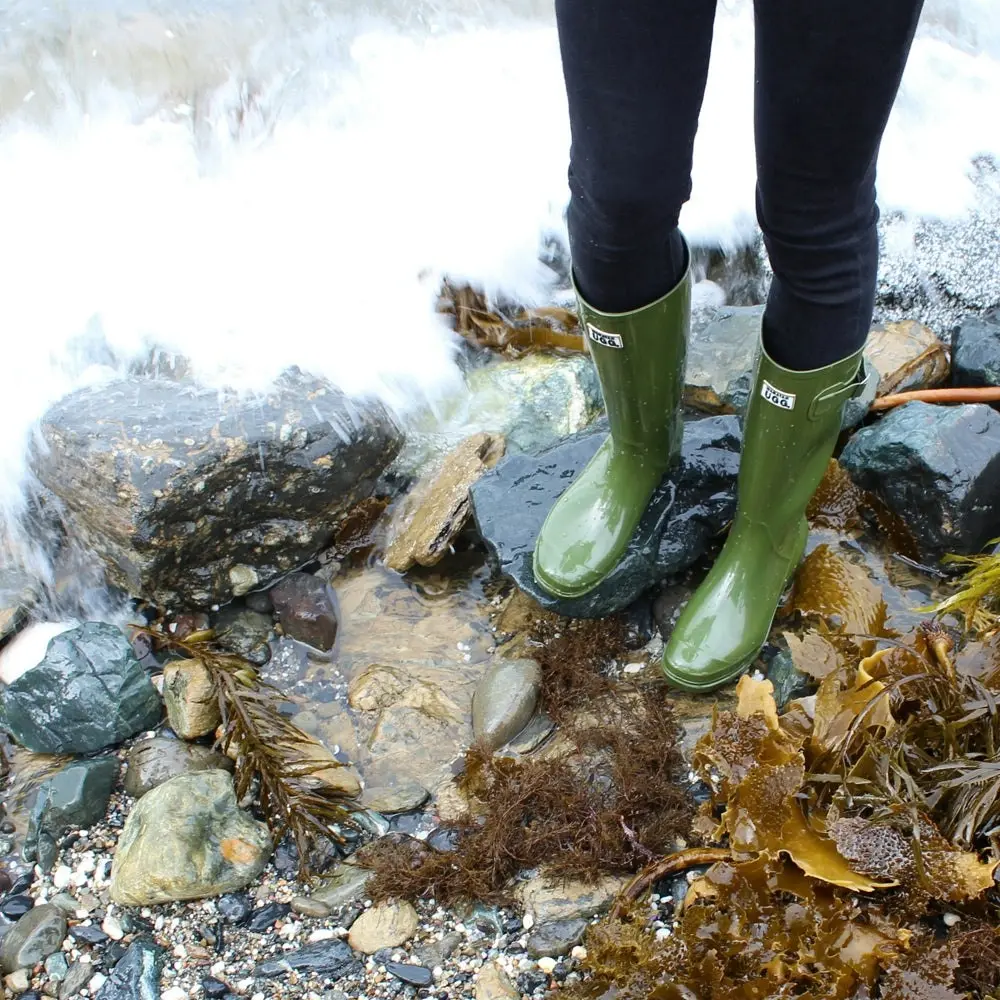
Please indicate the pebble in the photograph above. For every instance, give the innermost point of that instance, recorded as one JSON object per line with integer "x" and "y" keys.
{"x": 113, "y": 928}
{"x": 56, "y": 966}
{"x": 62, "y": 877}
{"x": 34, "y": 937}
{"x": 175, "y": 993}
{"x": 65, "y": 902}
{"x": 267, "y": 916}
{"x": 234, "y": 907}
{"x": 213, "y": 987}
{"x": 17, "y": 981}
{"x": 96, "y": 983}
{"x": 87, "y": 934}
{"x": 414, "y": 975}
{"x": 75, "y": 979}
{"x": 307, "y": 907}
{"x": 387, "y": 925}
{"x": 15, "y": 907}
{"x": 547, "y": 964}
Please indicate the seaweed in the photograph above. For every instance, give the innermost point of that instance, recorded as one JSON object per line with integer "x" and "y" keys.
{"x": 977, "y": 600}
{"x": 280, "y": 763}
{"x": 606, "y": 795}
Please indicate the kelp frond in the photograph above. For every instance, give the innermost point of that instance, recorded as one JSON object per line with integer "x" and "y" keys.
{"x": 273, "y": 756}
{"x": 977, "y": 599}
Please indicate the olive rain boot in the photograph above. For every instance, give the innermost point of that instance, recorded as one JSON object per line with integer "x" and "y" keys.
{"x": 790, "y": 429}
{"x": 639, "y": 358}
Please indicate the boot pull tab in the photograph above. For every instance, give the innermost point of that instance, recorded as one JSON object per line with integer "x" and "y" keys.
{"x": 835, "y": 396}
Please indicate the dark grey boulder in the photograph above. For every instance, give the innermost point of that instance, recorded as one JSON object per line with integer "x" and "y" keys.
{"x": 137, "y": 974}
{"x": 693, "y": 504}
{"x": 77, "y": 796}
{"x": 89, "y": 692}
{"x": 975, "y": 358}
{"x": 938, "y": 468}
{"x": 190, "y": 497}
{"x": 39, "y": 933}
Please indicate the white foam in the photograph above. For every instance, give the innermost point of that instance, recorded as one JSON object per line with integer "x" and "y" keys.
{"x": 290, "y": 187}
{"x": 28, "y": 648}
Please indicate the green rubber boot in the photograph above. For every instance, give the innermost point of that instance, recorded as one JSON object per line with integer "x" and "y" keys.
{"x": 639, "y": 358}
{"x": 790, "y": 429}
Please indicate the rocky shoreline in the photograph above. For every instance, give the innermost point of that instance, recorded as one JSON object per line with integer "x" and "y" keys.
{"x": 292, "y": 578}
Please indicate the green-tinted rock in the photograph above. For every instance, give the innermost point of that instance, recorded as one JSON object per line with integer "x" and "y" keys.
{"x": 398, "y": 796}
{"x": 75, "y": 797}
{"x": 39, "y": 933}
{"x": 789, "y": 682}
{"x": 89, "y": 692}
{"x": 556, "y": 937}
{"x": 187, "y": 839}
{"x": 505, "y": 700}
{"x": 245, "y": 632}
{"x": 154, "y": 761}
{"x": 345, "y": 885}
{"x": 976, "y": 351}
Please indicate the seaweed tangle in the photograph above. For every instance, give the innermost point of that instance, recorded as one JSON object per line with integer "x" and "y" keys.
{"x": 276, "y": 760}
{"x": 853, "y": 823}
{"x": 605, "y": 795}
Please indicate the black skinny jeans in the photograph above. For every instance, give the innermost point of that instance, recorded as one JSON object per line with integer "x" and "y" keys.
{"x": 827, "y": 73}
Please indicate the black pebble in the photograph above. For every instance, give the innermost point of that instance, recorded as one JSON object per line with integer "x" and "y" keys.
{"x": 528, "y": 982}
{"x": 286, "y": 859}
{"x": 29, "y": 996}
{"x": 23, "y": 881}
{"x": 88, "y": 935}
{"x": 7, "y": 827}
{"x": 15, "y": 907}
{"x": 415, "y": 975}
{"x": 234, "y": 908}
{"x": 214, "y": 987}
{"x": 113, "y": 954}
{"x": 406, "y": 822}
{"x": 268, "y": 916}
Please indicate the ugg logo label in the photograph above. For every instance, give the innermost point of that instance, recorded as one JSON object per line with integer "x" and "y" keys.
{"x": 784, "y": 400}
{"x": 605, "y": 339}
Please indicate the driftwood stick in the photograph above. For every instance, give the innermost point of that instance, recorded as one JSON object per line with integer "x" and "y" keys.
{"x": 989, "y": 394}
{"x": 672, "y": 864}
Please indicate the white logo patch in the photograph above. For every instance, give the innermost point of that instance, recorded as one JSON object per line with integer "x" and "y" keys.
{"x": 605, "y": 339}
{"x": 783, "y": 400}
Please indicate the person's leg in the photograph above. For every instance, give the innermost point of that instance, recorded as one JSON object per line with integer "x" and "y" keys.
{"x": 635, "y": 77}
{"x": 827, "y": 76}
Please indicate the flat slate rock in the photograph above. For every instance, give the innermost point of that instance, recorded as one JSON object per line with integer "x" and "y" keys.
{"x": 691, "y": 506}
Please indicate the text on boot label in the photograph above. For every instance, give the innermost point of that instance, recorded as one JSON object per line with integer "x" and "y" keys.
{"x": 784, "y": 400}
{"x": 604, "y": 339}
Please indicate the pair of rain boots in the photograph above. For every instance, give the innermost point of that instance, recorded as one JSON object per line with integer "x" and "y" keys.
{"x": 790, "y": 429}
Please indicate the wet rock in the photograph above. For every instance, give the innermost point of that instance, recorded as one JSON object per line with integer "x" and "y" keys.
{"x": 191, "y": 699}
{"x": 907, "y": 355}
{"x": 547, "y": 902}
{"x": 493, "y": 983}
{"x": 187, "y": 839}
{"x": 505, "y": 700}
{"x": 15, "y": 907}
{"x": 686, "y": 512}
{"x": 153, "y": 761}
{"x": 77, "y": 796}
{"x": 387, "y": 925}
{"x": 976, "y": 351}
{"x": 720, "y": 359}
{"x": 412, "y": 975}
{"x": 235, "y": 907}
{"x": 379, "y": 686}
{"x": 137, "y": 975}
{"x": 245, "y": 632}
{"x": 556, "y": 937}
{"x": 345, "y": 885}
{"x": 789, "y": 682}
{"x": 77, "y": 977}
{"x": 190, "y": 498}
{"x": 329, "y": 959}
{"x": 436, "y": 510}
{"x": 307, "y": 609}
{"x": 260, "y": 602}
{"x": 18, "y": 981}
{"x": 404, "y": 795}
{"x": 213, "y": 987}
{"x": 87, "y": 934}
{"x": 39, "y": 933}
{"x": 938, "y": 468}
{"x": 267, "y": 916}
{"x": 56, "y": 967}
{"x": 89, "y": 692}
{"x": 306, "y": 906}
{"x": 17, "y": 595}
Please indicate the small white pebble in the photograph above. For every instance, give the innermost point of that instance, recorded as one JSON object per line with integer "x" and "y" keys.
{"x": 528, "y": 922}
{"x": 112, "y": 928}
{"x": 97, "y": 980}
{"x": 579, "y": 953}
{"x": 244, "y": 985}
{"x": 950, "y": 919}
{"x": 323, "y": 934}
{"x": 175, "y": 993}
{"x": 218, "y": 969}
{"x": 663, "y": 933}
{"x": 547, "y": 964}
{"x": 289, "y": 930}
{"x": 61, "y": 876}
{"x": 258, "y": 996}
{"x": 634, "y": 668}
{"x": 180, "y": 951}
